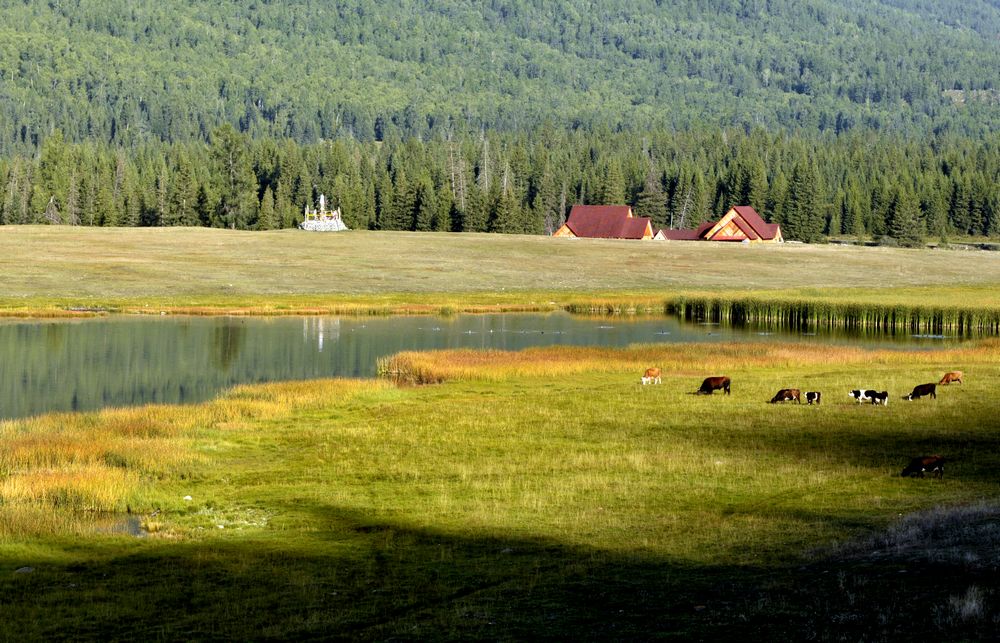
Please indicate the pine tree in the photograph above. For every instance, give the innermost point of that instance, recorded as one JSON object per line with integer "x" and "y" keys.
{"x": 612, "y": 190}
{"x": 237, "y": 183}
{"x": 546, "y": 200}
{"x": 425, "y": 206}
{"x": 777, "y": 196}
{"x": 905, "y": 225}
{"x": 803, "y": 217}
{"x": 267, "y": 218}
{"x": 182, "y": 196}
{"x": 652, "y": 201}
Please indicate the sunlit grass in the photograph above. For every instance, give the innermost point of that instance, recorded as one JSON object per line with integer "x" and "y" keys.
{"x": 111, "y": 460}
{"x": 62, "y": 270}
{"x": 545, "y": 477}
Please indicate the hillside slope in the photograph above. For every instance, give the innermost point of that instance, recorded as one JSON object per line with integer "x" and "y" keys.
{"x": 132, "y": 70}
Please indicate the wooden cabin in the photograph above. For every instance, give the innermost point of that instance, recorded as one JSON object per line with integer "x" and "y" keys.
{"x": 740, "y": 223}
{"x": 605, "y": 222}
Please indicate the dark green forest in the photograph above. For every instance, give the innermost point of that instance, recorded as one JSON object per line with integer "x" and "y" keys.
{"x": 859, "y": 117}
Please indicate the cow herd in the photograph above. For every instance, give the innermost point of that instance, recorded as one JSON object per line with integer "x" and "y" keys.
{"x": 917, "y": 467}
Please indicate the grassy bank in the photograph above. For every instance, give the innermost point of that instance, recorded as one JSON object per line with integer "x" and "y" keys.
{"x": 538, "y": 494}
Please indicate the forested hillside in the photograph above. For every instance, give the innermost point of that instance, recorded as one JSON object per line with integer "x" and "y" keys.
{"x": 128, "y": 71}
{"x": 866, "y": 118}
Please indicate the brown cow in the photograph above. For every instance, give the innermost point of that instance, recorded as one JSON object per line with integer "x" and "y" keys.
{"x": 787, "y": 394}
{"x": 714, "y": 384}
{"x": 951, "y": 376}
{"x": 917, "y": 466}
{"x": 921, "y": 390}
{"x": 652, "y": 375}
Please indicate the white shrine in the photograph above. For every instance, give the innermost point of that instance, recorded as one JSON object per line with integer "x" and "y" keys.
{"x": 322, "y": 220}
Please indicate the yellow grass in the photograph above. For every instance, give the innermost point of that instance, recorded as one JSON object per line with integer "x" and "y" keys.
{"x": 559, "y": 361}
{"x": 106, "y": 461}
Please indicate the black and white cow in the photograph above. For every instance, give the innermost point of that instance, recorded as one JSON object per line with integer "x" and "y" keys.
{"x": 920, "y": 390}
{"x": 860, "y": 395}
{"x": 813, "y": 396}
{"x": 868, "y": 395}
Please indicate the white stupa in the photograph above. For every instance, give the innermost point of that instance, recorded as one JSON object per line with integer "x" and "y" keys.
{"x": 322, "y": 220}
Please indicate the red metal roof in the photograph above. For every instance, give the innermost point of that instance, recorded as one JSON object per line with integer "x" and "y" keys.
{"x": 764, "y": 230}
{"x": 606, "y": 222}
{"x": 687, "y": 235}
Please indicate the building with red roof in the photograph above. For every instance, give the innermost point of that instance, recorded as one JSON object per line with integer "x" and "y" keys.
{"x": 605, "y": 222}
{"x": 740, "y": 223}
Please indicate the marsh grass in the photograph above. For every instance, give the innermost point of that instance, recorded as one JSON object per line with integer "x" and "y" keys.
{"x": 109, "y": 461}
{"x": 539, "y": 494}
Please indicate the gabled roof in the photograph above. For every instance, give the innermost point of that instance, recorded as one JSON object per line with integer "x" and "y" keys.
{"x": 606, "y": 222}
{"x": 687, "y": 235}
{"x": 766, "y": 231}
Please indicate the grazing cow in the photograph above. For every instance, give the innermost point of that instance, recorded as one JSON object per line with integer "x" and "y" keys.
{"x": 951, "y": 376}
{"x": 714, "y": 384}
{"x": 813, "y": 396}
{"x": 921, "y": 390}
{"x": 861, "y": 395}
{"x": 917, "y": 466}
{"x": 787, "y": 394}
{"x": 652, "y": 375}
{"x": 878, "y": 397}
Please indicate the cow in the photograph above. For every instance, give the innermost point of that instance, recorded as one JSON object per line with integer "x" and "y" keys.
{"x": 920, "y": 390}
{"x": 860, "y": 395}
{"x": 868, "y": 395}
{"x": 651, "y": 376}
{"x": 785, "y": 394}
{"x": 951, "y": 376}
{"x": 878, "y": 397}
{"x": 714, "y": 384}
{"x": 917, "y": 466}
{"x": 813, "y": 396}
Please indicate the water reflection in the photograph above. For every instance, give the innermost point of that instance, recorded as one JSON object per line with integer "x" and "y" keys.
{"x": 122, "y": 361}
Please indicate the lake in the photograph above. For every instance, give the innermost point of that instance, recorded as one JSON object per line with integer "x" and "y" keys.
{"x": 125, "y": 361}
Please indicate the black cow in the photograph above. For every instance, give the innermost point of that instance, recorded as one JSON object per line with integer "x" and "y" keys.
{"x": 813, "y": 396}
{"x": 714, "y": 384}
{"x": 878, "y": 397}
{"x": 917, "y": 466}
{"x": 920, "y": 390}
{"x": 784, "y": 394}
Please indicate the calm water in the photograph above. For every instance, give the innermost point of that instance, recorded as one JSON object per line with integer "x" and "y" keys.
{"x": 122, "y": 361}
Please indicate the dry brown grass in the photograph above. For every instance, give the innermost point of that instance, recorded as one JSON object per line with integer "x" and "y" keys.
{"x": 199, "y": 269}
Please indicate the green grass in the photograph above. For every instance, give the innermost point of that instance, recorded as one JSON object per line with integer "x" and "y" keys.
{"x": 542, "y": 494}
{"x": 48, "y": 269}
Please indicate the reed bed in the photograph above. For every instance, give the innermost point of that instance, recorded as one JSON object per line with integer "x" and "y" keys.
{"x": 431, "y": 367}
{"x": 810, "y": 315}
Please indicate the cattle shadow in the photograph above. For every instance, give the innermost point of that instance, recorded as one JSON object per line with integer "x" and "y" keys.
{"x": 355, "y": 578}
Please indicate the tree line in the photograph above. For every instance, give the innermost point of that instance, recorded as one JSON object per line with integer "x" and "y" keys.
{"x": 892, "y": 188}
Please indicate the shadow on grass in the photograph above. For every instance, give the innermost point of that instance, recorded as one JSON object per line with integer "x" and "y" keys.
{"x": 357, "y": 579}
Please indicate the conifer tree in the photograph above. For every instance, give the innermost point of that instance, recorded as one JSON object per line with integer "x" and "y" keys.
{"x": 237, "y": 184}
{"x": 267, "y": 219}
{"x": 905, "y": 225}
{"x": 803, "y": 216}
{"x": 612, "y": 190}
{"x": 652, "y": 201}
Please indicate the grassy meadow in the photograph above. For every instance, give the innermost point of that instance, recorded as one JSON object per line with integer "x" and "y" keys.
{"x": 58, "y": 270}
{"x": 538, "y": 494}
